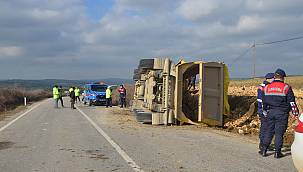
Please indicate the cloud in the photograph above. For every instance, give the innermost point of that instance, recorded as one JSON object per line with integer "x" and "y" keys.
{"x": 45, "y": 14}
{"x": 43, "y": 34}
{"x": 11, "y": 51}
{"x": 193, "y": 10}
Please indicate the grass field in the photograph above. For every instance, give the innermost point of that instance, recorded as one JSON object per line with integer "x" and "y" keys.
{"x": 295, "y": 81}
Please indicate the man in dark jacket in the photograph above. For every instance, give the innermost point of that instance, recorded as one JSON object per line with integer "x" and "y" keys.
{"x": 61, "y": 93}
{"x": 278, "y": 101}
{"x": 268, "y": 79}
{"x": 72, "y": 98}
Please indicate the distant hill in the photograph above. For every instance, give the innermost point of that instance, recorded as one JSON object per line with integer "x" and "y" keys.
{"x": 49, "y": 83}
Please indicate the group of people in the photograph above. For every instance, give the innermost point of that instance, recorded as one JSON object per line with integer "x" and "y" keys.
{"x": 275, "y": 101}
{"x": 58, "y": 94}
{"x": 122, "y": 96}
{"x": 74, "y": 94}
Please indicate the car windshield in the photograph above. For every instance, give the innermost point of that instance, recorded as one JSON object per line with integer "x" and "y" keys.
{"x": 99, "y": 88}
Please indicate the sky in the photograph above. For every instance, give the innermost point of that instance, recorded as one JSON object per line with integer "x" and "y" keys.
{"x": 92, "y": 39}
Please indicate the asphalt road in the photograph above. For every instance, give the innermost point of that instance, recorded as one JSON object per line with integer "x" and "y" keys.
{"x": 100, "y": 139}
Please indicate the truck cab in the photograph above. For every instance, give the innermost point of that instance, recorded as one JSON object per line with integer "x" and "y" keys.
{"x": 94, "y": 94}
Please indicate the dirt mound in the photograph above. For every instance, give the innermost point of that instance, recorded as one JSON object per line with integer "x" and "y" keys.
{"x": 190, "y": 105}
{"x": 239, "y": 105}
{"x": 244, "y": 118}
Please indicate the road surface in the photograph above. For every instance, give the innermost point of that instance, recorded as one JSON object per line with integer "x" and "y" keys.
{"x": 99, "y": 139}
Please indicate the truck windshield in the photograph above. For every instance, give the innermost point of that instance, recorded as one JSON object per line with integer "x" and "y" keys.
{"x": 99, "y": 88}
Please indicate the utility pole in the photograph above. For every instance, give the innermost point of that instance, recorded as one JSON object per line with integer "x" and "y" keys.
{"x": 254, "y": 59}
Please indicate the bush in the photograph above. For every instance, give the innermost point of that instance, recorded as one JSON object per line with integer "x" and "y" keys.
{"x": 10, "y": 98}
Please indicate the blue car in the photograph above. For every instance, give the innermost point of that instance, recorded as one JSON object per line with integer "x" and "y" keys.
{"x": 94, "y": 94}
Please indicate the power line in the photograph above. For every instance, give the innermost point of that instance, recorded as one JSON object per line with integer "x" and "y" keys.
{"x": 243, "y": 54}
{"x": 279, "y": 41}
{"x": 261, "y": 44}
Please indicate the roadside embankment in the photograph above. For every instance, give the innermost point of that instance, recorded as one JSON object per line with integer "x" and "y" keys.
{"x": 11, "y": 98}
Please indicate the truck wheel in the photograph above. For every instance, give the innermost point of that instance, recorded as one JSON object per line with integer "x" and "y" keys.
{"x": 136, "y": 71}
{"x": 142, "y": 70}
{"x": 146, "y": 63}
{"x": 84, "y": 102}
{"x": 136, "y": 77}
{"x": 90, "y": 103}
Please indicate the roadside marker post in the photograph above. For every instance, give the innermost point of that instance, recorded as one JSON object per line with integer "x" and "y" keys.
{"x": 25, "y": 101}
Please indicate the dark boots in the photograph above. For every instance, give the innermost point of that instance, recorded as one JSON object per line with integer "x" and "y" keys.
{"x": 278, "y": 154}
{"x": 260, "y": 146}
{"x": 263, "y": 150}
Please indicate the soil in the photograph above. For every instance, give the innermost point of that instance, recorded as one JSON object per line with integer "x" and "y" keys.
{"x": 244, "y": 119}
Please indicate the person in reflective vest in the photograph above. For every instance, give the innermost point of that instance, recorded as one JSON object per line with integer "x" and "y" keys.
{"x": 71, "y": 89}
{"x": 268, "y": 79}
{"x": 77, "y": 94}
{"x": 278, "y": 101}
{"x": 122, "y": 96}
{"x": 56, "y": 95}
{"x": 108, "y": 97}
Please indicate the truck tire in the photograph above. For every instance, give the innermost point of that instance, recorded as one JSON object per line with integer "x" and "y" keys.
{"x": 136, "y": 77}
{"x": 146, "y": 63}
{"x": 142, "y": 71}
{"x": 90, "y": 103}
{"x": 136, "y": 71}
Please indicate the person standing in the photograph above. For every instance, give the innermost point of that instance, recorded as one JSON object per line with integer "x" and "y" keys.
{"x": 56, "y": 95}
{"x": 61, "y": 93}
{"x": 72, "y": 98}
{"x": 70, "y": 89}
{"x": 278, "y": 101}
{"x": 192, "y": 82}
{"x": 108, "y": 97}
{"x": 77, "y": 94}
{"x": 122, "y": 96}
{"x": 268, "y": 79}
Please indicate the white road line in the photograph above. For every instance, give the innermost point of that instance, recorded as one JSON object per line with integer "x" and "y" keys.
{"x": 123, "y": 154}
{"x": 13, "y": 121}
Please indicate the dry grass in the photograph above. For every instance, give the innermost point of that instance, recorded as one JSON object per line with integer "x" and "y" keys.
{"x": 10, "y": 98}
{"x": 249, "y": 87}
{"x": 295, "y": 81}
{"x": 129, "y": 96}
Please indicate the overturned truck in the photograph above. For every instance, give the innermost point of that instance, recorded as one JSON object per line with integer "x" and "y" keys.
{"x": 186, "y": 92}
